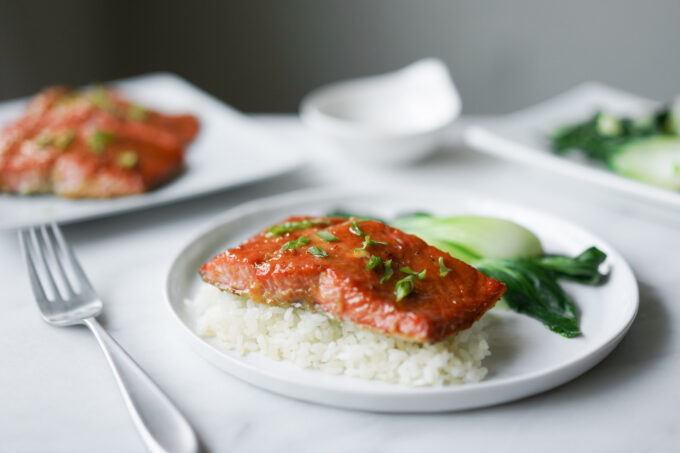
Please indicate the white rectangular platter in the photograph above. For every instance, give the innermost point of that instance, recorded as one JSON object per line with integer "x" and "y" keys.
{"x": 229, "y": 151}
{"x": 523, "y": 136}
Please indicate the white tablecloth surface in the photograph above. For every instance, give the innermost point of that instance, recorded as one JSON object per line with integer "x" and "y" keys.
{"x": 58, "y": 395}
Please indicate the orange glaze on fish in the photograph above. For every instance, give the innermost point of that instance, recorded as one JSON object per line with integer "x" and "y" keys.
{"x": 340, "y": 285}
{"x": 91, "y": 144}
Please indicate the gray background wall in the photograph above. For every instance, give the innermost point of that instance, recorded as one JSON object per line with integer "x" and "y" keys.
{"x": 263, "y": 56}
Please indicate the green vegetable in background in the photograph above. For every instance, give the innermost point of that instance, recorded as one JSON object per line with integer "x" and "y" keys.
{"x": 645, "y": 148}
{"x": 655, "y": 161}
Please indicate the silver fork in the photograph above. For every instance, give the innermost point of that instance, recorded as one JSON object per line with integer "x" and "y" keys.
{"x": 66, "y": 297}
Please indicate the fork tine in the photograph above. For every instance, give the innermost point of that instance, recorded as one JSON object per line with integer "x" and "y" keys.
{"x": 83, "y": 281}
{"x": 52, "y": 251}
{"x": 38, "y": 291}
{"x": 37, "y": 243}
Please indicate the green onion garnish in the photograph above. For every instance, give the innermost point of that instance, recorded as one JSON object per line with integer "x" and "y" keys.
{"x": 407, "y": 270}
{"x": 326, "y": 236}
{"x": 443, "y": 270}
{"x": 136, "y": 112}
{"x": 98, "y": 140}
{"x": 373, "y": 262}
{"x": 355, "y": 229}
{"x": 128, "y": 159}
{"x": 368, "y": 241}
{"x": 44, "y": 140}
{"x": 287, "y": 227}
{"x": 101, "y": 98}
{"x": 389, "y": 272}
{"x": 295, "y": 243}
{"x": 317, "y": 251}
{"x": 404, "y": 287}
{"x": 62, "y": 141}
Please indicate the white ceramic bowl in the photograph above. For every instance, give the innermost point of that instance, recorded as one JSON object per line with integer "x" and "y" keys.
{"x": 392, "y": 118}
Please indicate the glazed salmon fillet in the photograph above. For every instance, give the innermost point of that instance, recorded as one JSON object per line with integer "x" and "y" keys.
{"x": 91, "y": 144}
{"x": 359, "y": 271}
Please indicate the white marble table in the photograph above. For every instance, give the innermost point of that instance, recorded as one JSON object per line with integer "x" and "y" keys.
{"x": 57, "y": 393}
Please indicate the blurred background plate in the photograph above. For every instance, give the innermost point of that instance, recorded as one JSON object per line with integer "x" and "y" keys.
{"x": 523, "y": 137}
{"x": 229, "y": 151}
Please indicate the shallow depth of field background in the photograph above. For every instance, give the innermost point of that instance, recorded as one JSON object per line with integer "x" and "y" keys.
{"x": 264, "y": 56}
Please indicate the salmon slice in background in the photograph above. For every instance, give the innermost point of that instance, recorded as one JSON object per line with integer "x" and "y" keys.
{"x": 91, "y": 144}
{"x": 358, "y": 271}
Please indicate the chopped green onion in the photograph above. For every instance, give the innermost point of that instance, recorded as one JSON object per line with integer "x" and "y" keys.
{"x": 44, "y": 140}
{"x": 67, "y": 98}
{"x": 295, "y": 243}
{"x": 101, "y": 98}
{"x": 287, "y": 227}
{"x": 421, "y": 275}
{"x": 389, "y": 272}
{"x": 326, "y": 236}
{"x": 373, "y": 262}
{"x": 136, "y": 112}
{"x": 98, "y": 140}
{"x": 128, "y": 159}
{"x": 368, "y": 241}
{"x": 350, "y": 215}
{"x": 62, "y": 141}
{"x": 355, "y": 229}
{"x": 443, "y": 270}
{"x": 317, "y": 251}
{"x": 404, "y": 287}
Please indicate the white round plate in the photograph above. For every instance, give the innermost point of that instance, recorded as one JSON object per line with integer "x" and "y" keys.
{"x": 526, "y": 358}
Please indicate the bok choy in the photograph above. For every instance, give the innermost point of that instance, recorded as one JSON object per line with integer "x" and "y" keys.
{"x": 645, "y": 148}
{"x": 471, "y": 238}
{"x": 510, "y": 253}
{"x": 533, "y": 289}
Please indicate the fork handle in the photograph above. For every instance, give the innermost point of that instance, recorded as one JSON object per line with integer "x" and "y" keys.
{"x": 162, "y": 427}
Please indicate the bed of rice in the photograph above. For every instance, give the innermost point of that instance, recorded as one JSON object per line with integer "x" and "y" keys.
{"x": 314, "y": 341}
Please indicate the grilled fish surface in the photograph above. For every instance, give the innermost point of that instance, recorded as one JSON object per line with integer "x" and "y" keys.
{"x": 91, "y": 144}
{"x": 439, "y": 304}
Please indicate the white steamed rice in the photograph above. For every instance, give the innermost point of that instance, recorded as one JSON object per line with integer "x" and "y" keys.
{"x": 314, "y": 341}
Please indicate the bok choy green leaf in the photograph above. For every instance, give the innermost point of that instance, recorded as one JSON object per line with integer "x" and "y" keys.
{"x": 533, "y": 288}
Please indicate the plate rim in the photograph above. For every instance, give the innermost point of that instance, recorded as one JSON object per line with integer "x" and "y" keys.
{"x": 602, "y": 348}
